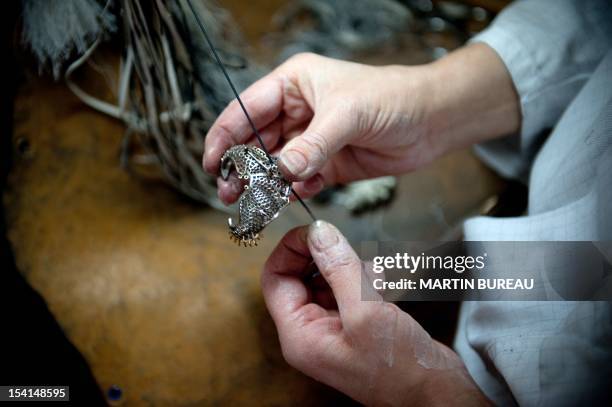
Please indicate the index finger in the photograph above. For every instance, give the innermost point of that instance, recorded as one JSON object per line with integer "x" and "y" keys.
{"x": 262, "y": 100}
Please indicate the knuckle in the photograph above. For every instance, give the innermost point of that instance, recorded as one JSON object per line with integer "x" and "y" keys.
{"x": 318, "y": 145}
{"x": 224, "y": 127}
{"x": 377, "y": 315}
{"x": 343, "y": 262}
{"x": 357, "y": 322}
{"x": 339, "y": 269}
{"x": 385, "y": 312}
{"x": 302, "y": 58}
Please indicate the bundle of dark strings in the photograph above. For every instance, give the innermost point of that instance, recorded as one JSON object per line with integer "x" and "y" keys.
{"x": 170, "y": 89}
{"x": 178, "y": 88}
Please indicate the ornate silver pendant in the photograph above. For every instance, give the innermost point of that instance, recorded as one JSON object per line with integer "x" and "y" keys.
{"x": 265, "y": 195}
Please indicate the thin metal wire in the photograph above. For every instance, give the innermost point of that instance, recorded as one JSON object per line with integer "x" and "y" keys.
{"x": 246, "y": 113}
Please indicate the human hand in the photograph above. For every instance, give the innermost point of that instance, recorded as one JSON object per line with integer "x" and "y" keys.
{"x": 370, "y": 350}
{"x": 333, "y": 121}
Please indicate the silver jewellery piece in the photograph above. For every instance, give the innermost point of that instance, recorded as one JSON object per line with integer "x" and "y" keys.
{"x": 265, "y": 195}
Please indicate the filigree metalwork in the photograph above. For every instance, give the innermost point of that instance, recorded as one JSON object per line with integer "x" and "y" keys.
{"x": 265, "y": 195}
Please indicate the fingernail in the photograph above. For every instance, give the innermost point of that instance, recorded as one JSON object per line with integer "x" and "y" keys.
{"x": 206, "y": 162}
{"x": 323, "y": 235}
{"x": 293, "y": 161}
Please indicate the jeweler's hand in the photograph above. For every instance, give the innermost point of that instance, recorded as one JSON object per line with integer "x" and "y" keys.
{"x": 333, "y": 121}
{"x": 370, "y": 350}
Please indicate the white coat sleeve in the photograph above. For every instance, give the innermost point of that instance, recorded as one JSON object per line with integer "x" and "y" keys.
{"x": 550, "y": 48}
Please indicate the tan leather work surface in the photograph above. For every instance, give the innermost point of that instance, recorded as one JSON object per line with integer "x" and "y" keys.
{"x": 146, "y": 285}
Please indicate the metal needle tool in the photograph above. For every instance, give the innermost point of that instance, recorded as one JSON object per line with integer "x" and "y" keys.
{"x": 246, "y": 113}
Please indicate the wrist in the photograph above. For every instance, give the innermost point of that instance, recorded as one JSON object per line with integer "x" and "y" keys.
{"x": 447, "y": 386}
{"x": 414, "y": 103}
{"x": 451, "y": 385}
{"x": 472, "y": 98}
{"x": 440, "y": 379}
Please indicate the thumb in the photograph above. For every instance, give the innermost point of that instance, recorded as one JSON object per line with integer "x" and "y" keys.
{"x": 305, "y": 155}
{"x": 337, "y": 262}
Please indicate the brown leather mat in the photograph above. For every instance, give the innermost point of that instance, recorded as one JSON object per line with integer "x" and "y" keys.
{"x": 147, "y": 285}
